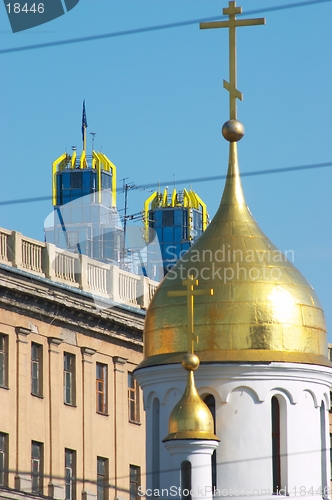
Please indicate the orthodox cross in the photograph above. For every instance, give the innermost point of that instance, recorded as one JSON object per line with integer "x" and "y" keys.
{"x": 232, "y": 24}
{"x": 190, "y": 282}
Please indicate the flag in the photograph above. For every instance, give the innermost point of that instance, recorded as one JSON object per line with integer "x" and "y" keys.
{"x": 84, "y": 121}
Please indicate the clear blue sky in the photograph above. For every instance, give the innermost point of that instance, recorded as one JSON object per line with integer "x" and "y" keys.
{"x": 157, "y": 105}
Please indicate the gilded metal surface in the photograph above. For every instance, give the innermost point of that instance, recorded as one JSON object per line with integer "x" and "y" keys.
{"x": 262, "y": 309}
{"x": 232, "y": 24}
{"x": 190, "y": 293}
{"x": 191, "y": 418}
{"x": 244, "y": 356}
{"x": 190, "y": 361}
{"x": 233, "y": 130}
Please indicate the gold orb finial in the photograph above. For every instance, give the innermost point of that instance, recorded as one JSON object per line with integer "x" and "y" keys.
{"x": 190, "y": 362}
{"x": 191, "y": 417}
{"x": 233, "y": 130}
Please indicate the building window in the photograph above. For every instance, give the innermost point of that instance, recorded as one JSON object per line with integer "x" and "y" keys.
{"x": 70, "y": 474}
{"x": 36, "y": 369}
{"x": 275, "y": 444}
{"x": 3, "y": 459}
{"x": 72, "y": 239}
{"x": 168, "y": 218}
{"x": 101, "y": 388}
{"x": 323, "y": 450}
{"x": 69, "y": 378}
{"x": 133, "y": 398}
{"x": 135, "y": 481}
{"x": 76, "y": 180}
{"x": 155, "y": 444}
{"x": 3, "y": 360}
{"x": 211, "y": 404}
{"x": 185, "y": 480}
{"x": 37, "y": 467}
{"x": 331, "y": 457}
{"x": 102, "y": 478}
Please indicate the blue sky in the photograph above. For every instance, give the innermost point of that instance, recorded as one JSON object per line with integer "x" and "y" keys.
{"x": 157, "y": 104}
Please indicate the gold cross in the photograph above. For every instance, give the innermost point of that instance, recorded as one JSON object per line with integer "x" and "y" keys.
{"x": 232, "y": 24}
{"x": 190, "y": 282}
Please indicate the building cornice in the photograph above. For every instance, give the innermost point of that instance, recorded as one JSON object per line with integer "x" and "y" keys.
{"x": 45, "y": 300}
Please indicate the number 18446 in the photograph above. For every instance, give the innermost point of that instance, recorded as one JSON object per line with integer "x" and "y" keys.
{"x": 16, "y": 8}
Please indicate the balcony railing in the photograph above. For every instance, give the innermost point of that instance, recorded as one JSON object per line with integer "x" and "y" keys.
{"x": 64, "y": 266}
{"x": 79, "y": 271}
{"x": 32, "y": 255}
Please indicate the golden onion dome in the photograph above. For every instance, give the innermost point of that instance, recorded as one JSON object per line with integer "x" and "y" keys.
{"x": 191, "y": 417}
{"x": 262, "y": 309}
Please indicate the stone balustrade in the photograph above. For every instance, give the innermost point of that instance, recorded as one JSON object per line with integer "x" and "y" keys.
{"x": 79, "y": 271}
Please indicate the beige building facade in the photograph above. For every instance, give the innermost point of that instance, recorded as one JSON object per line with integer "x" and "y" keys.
{"x": 71, "y": 416}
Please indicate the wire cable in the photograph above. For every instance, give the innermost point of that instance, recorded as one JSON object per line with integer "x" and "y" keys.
{"x": 159, "y": 27}
{"x": 190, "y": 180}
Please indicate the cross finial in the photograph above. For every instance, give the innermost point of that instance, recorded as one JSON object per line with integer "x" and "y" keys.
{"x": 190, "y": 282}
{"x": 232, "y": 24}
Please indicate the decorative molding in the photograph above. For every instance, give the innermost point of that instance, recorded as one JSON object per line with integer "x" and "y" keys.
{"x": 21, "y": 330}
{"x": 88, "y": 495}
{"x": 88, "y": 351}
{"x": 23, "y": 483}
{"x": 69, "y": 309}
{"x": 118, "y": 360}
{"x": 56, "y": 491}
{"x": 54, "y": 341}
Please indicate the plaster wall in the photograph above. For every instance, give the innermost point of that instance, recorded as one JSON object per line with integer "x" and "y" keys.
{"x": 243, "y": 396}
{"x": 198, "y": 453}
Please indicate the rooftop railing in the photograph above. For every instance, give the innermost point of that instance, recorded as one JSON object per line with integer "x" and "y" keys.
{"x": 75, "y": 270}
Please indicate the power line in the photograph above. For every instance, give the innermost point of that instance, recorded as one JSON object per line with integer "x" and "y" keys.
{"x": 154, "y": 28}
{"x": 167, "y": 470}
{"x": 190, "y": 180}
{"x": 246, "y": 174}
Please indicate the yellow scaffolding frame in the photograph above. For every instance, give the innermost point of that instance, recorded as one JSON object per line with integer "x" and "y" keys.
{"x": 59, "y": 164}
{"x": 99, "y": 162}
{"x": 146, "y": 215}
{"x": 160, "y": 200}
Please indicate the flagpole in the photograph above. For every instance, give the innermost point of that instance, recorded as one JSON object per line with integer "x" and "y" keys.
{"x": 84, "y": 126}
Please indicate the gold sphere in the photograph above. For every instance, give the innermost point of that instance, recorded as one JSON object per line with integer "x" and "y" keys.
{"x": 232, "y": 130}
{"x": 190, "y": 362}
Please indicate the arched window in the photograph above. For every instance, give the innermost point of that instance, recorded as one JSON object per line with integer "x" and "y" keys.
{"x": 275, "y": 413}
{"x": 211, "y": 403}
{"x": 323, "y": 450}
{"x": 185, "y": 480}
{"x": 155, "y": 443}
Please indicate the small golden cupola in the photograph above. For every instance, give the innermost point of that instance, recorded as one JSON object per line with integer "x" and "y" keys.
{"x": 262, "y": 309}
{"x": 190, "y": 417}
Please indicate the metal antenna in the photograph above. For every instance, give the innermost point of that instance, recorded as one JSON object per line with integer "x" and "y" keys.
{"x": 125, "y": 188}
{"x": 93, "y": 139}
